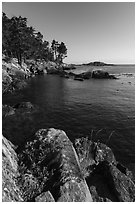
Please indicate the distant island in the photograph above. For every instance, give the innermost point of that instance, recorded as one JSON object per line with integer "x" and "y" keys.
{"x": 97, "y": 63}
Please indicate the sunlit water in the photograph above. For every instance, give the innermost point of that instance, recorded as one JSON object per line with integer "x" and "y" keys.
{"x": 77, "y": 107}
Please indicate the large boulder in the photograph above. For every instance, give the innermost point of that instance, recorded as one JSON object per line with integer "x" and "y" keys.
{"x": 51, "y": 157}
{"x": 10, "y": 188}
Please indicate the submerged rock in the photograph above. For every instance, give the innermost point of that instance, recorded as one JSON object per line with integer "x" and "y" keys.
{"x": 25, "y": 105}
{"x": 7, "y": 110}
{"x": 18, "y": 123}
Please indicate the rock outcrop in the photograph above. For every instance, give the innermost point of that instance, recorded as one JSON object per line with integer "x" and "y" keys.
{"x": 106, "y": 178}
{"x": 48, "y": 169}
{"x": 84, "y": 75}
{"x": 101, "y": 74}
{"x": 13, "y": 75}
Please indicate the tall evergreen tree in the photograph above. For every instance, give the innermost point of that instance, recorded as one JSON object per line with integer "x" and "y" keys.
{"x": 62, "y": 52}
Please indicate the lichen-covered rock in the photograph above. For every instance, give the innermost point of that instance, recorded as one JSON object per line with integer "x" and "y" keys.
{"x": 70, "y": 172}
{"x": 45, "y": 197}
{"x": 49, "y": 169}
{"x": 74, "y": 191}
{"x": 52, "y": 159}
{"x": 10, "y": 189}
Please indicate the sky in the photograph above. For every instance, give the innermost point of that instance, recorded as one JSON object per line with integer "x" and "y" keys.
{"x": 92, "y": 31}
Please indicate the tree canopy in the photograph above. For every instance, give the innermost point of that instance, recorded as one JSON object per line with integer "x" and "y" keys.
{"x": 23, "y": 42}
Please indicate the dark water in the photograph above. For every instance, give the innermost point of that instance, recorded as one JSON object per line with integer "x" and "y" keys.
{"x": 78, "y": 107}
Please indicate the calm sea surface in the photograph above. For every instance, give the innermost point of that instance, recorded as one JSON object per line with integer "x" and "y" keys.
{"x": 77, "y": 107}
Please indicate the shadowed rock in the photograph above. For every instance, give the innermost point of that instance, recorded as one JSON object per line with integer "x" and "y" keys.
{"x": 106, "y": 178}
{"x": 15, "y": 118}
{"x": 120, "y": 185}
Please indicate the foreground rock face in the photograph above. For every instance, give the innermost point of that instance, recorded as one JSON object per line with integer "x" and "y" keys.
{"x": 106, "y": 178}
{"x": 10, "y": 188}
{"x": 49, "y": 170}
{"x": 52, "y": 160}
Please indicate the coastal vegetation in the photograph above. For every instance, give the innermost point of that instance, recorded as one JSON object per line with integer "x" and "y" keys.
{"x": 23, "y": 42}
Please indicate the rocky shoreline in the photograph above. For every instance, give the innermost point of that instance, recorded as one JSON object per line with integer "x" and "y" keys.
{"x": 52, "y": 169}
{"x": 49, "y": 168}
{"x": 14, "y": 76}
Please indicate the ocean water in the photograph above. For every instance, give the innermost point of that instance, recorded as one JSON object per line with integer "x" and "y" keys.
{"x": 78, "y": 107}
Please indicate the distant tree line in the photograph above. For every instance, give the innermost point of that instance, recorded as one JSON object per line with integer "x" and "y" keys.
{"x": 23, "y": 42}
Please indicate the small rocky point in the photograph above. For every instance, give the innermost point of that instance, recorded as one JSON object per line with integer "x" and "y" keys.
{"x": 52, "y": 169}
